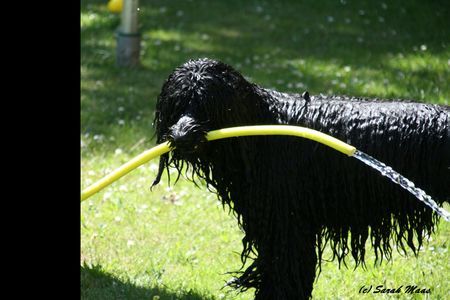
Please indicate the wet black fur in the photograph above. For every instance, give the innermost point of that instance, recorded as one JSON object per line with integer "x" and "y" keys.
{"x": 292, "y": 196}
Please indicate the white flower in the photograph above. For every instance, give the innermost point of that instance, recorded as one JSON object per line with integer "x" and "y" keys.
{"x": 98, "y": 137}
{"x": 107, "y": 195}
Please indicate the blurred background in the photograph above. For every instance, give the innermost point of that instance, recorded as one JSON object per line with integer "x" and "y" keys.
{"x": 177, "y": 242}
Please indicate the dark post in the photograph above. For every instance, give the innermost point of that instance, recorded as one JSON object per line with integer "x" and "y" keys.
{"x": 128, "y": 36}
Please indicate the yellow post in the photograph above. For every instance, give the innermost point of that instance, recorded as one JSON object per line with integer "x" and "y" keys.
{"x": 115, "y": 6}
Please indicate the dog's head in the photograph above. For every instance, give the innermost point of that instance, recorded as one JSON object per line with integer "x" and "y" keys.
{"x": 199, "y": 96}
{"x": 203, "y": 94}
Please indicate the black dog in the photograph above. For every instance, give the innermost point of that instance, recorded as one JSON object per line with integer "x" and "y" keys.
{"x": 293, "y": 196}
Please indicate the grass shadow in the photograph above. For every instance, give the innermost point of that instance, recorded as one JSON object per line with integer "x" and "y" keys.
{"x": 97, "y": 284}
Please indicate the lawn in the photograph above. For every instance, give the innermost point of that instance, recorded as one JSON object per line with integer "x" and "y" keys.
{"x": 177, "y": 242}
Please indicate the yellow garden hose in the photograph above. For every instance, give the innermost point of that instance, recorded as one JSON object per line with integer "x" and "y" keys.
{"x": 216, "y": 135}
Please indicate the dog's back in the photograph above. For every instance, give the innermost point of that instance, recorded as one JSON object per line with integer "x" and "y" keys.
{"x": 412, "y": 138}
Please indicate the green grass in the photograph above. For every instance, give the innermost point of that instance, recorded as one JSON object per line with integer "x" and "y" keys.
{"x": 178, "y": 242}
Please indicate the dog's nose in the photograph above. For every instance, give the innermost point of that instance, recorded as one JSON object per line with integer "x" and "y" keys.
{"x": 184, "y": 125}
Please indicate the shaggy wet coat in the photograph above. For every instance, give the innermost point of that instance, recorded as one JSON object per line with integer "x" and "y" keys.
{"x": 292, "y": 196}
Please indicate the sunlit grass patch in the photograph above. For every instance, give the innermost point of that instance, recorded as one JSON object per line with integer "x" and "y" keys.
{"x": 178, "y": 242}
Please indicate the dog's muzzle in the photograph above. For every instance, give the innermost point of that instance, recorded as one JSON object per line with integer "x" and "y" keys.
{"x": 187, "y": 135}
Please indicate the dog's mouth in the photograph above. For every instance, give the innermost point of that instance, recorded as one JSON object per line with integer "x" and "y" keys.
{"x": 187, "y": 138}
